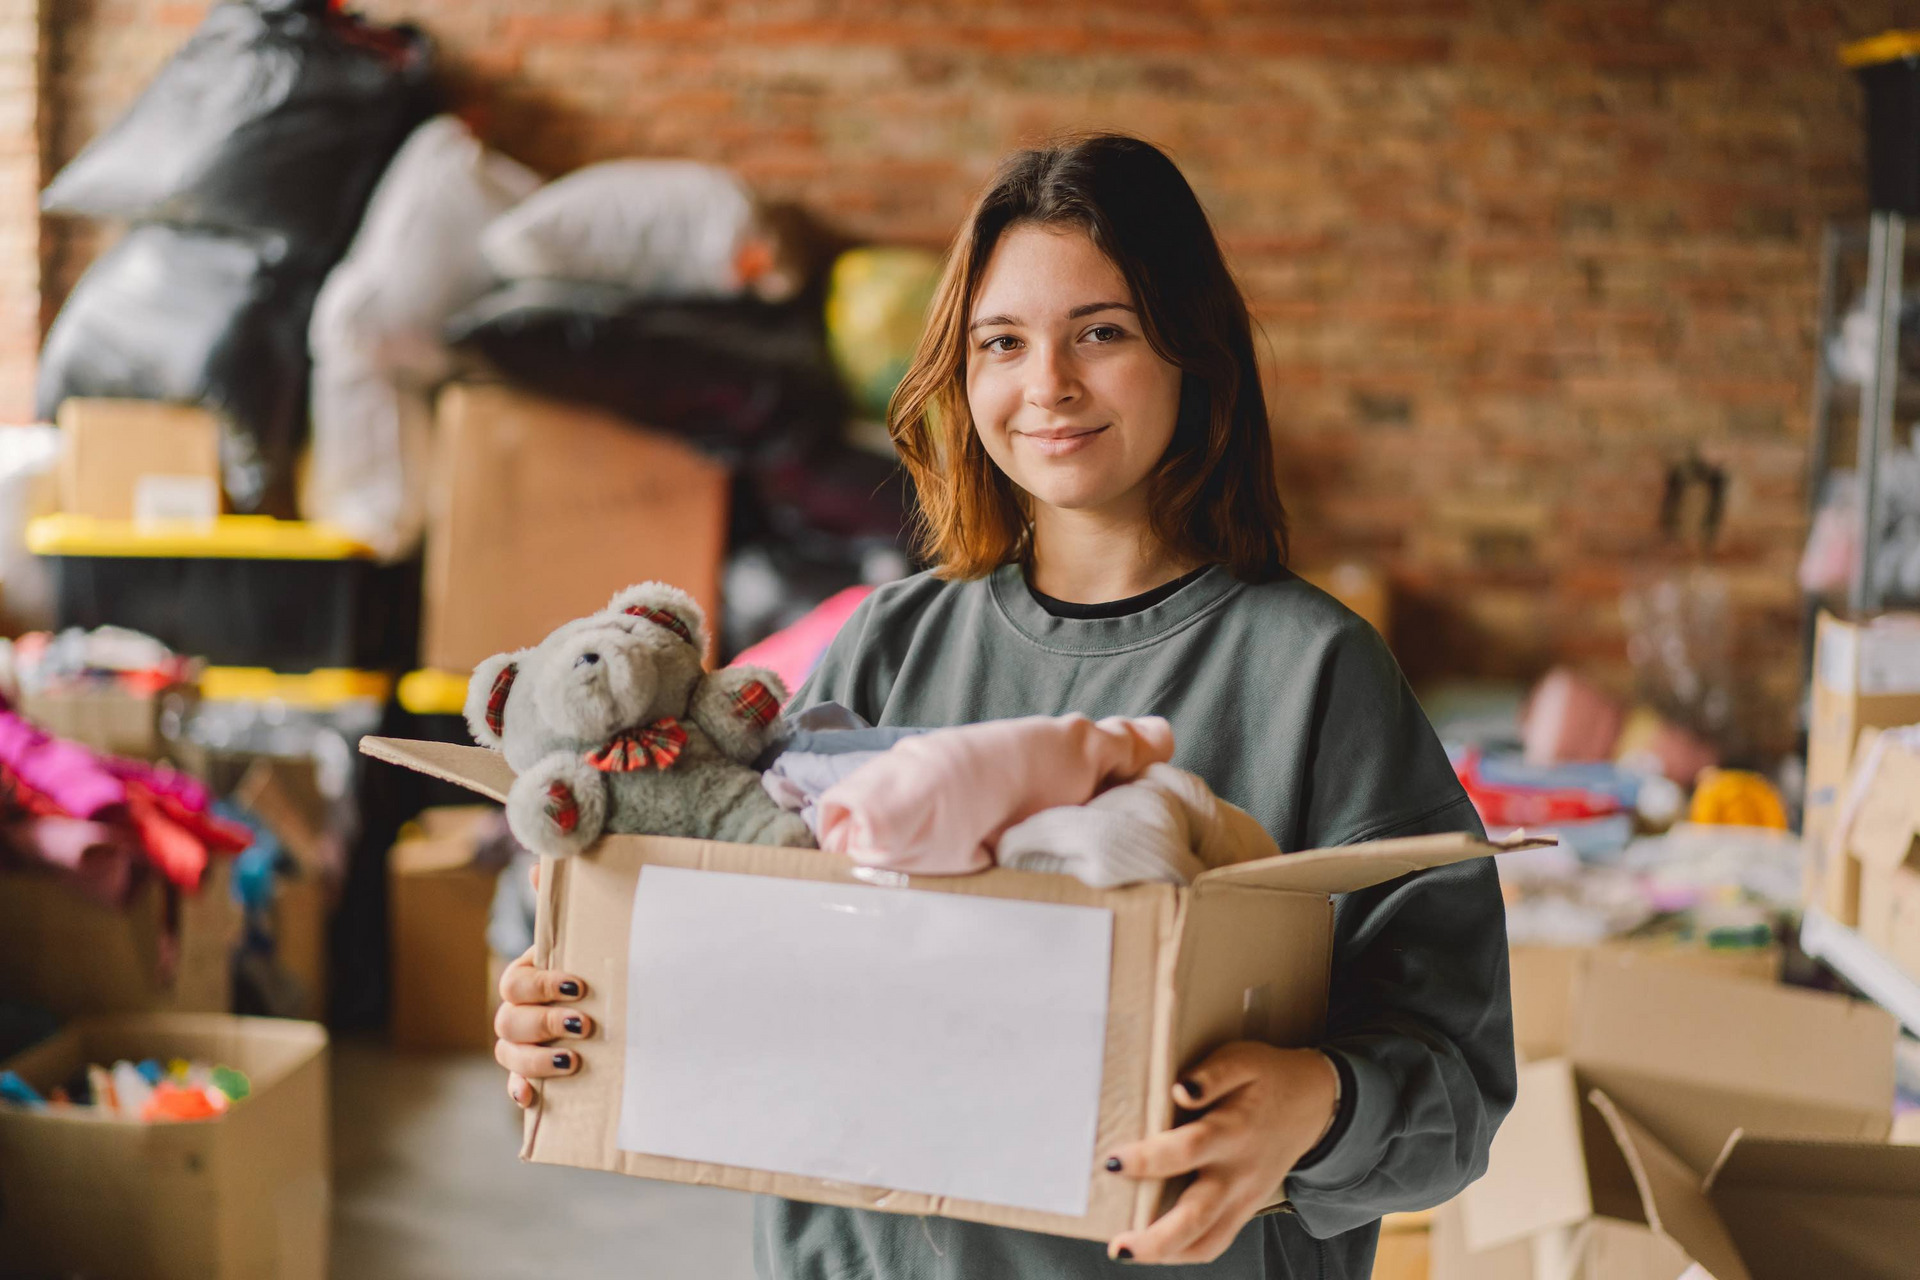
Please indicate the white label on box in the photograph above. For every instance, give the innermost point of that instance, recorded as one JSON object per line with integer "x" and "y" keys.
{"x": 1890, "y": 660}
{"x": 161, "y": 499}
{"x": 930, "y": 1042}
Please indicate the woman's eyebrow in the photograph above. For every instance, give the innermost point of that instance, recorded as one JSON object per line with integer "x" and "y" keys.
{"x": 1085, "y": 310}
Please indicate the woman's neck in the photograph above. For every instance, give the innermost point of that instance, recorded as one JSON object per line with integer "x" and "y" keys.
{"x": 1086, "y": 557}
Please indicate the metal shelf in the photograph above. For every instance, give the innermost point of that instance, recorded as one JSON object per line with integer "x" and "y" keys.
{"x": 1862, "y": 964}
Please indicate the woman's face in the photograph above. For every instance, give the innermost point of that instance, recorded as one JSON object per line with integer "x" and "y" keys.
{"x": 1069, "y": 399}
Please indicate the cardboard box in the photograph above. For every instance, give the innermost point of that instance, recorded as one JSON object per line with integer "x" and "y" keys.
{"x": 139, "y": 460}
{"x": 110, "y": 717}
{"x": 539, "y": 511}
{"x": 1884, "y": 840}
{"x": 1242, "y": 953}
{"x": 242, "y": 1197}
{"x": 437, "y": 907}
{"x": 1693, "y": 1059}
{"x": 1866, "y": 675}
{"x": 1625, "y": 1207}
{"x": 1546, "y": 981}
{"x": 284, "y": 793}
{"x": 72, "y": 955}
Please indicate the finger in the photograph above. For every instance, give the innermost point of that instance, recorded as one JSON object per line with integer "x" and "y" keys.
{"x": 540, "y": 1023}
{"x": 519, "y": 1090}
{"x": 1172, "y": 1236}
{"x": 1218, "y": 1074}
{"x": 524, "y": 984}
{"x": 1165, "y": 1155}
{"x": 536, "y": 1062}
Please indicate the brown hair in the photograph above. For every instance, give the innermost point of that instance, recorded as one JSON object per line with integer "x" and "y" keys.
{"x": 1213, "y": 495}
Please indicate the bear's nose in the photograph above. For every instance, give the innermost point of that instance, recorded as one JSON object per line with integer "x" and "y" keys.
{"x": 586, "y": 660}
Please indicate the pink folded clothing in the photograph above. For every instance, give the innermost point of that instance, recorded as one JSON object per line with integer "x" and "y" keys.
{"x": 935, "y": 804}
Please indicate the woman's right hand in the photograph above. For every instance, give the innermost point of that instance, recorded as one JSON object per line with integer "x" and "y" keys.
{"x": 536, "y": 1025}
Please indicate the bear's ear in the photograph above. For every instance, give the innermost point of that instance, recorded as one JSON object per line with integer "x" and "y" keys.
{"x": 487, "y": 692}
{"x": 664, "y": 606}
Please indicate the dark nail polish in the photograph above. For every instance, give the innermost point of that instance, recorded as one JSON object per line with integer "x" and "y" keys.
{"x": 1191, "y": 1089}
{"x": 563, "y": 1060}
{"x": 1113, "y": 1164}
{"x": 1125, "y": 1254}
{"x": 569, "y": 988}
{"x": 573, "y": 1025}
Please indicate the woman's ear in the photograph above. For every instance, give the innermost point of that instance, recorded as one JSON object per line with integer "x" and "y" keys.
{"x": 487, "y": 693}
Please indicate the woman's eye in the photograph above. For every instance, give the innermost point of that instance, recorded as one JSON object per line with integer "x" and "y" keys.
{"x": 993, "y": 343}
{"x": 1103, "y": 333}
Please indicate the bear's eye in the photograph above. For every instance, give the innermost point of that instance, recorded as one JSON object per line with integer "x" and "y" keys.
{"x": 586, "y": 660}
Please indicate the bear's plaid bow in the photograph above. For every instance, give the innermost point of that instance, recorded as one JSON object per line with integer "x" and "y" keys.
{"x": 655, "y": 745}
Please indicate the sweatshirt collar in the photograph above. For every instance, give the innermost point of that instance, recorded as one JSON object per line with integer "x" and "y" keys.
{"x": 1019, "y": 610}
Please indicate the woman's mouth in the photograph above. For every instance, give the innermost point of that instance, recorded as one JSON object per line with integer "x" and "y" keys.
{"x": 1057, "y": 444}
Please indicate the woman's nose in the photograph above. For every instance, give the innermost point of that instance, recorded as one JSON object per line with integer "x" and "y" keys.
{"x": 1052, "y": 379}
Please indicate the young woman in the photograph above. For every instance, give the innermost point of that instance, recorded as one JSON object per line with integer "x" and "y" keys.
{"x": 1085, "y": 426}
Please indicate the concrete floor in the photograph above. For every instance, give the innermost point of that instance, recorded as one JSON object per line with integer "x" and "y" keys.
{"x": 428, "y": 1186}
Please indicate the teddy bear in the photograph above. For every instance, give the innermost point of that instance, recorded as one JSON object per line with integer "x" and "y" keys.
{"x": 612, "y": 724}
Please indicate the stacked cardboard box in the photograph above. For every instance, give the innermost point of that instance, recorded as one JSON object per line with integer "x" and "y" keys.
{"x": 1884, "y": 842}
{"x": 540, "y": 511}
{"x": 139, "y": 460}
{"x": 444, "y": 980}
{"x": 239, "y": 1197}
{"x": 1636, "y": 1149}
{"x": 1866, "y": 675}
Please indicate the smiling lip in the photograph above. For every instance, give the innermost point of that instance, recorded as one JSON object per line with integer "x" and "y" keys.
{"x": 1055, "y": 444}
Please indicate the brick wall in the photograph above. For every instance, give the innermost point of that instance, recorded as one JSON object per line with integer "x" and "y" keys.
{"x": 1512, "y": 259}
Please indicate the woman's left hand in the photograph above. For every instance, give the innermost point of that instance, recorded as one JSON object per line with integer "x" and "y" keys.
{"x": 1262, "y": 1109}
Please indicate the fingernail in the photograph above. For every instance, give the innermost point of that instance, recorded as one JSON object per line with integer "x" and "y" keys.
{"x": 1125, "y": 1254}
{"x": 1113, "y": 1164}
{"x": 573, "y": 1025}
{"x": 563, "y": 1060}
{"x": 1191, "y": 1089}
{"x": 569, "y": 988}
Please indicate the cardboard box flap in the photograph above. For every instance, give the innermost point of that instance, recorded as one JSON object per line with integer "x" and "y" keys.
{"x": 1837, "y": 1210}
{"x": 1886, "y": 826}
{"x": 1357, "y": 866}
{"x": 1670, "y": 1195}
{"x": 1536, "y": 1177}
{"x": 478, "y": 769}
{"x": 1694, "y": 1056}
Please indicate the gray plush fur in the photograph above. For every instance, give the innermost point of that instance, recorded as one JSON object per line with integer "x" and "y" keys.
{"x": 612, "y": 671}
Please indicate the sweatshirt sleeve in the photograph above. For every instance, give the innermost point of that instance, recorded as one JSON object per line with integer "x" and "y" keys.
{"x": 1419, "y": 1017}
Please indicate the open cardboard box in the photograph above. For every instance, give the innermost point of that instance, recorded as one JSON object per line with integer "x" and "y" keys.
{"x": 239, "y": 1197}
{"x": 1768, "y": 1209}
{"x": 1242, "y": 953}
{"x": 1690, "y": 1060}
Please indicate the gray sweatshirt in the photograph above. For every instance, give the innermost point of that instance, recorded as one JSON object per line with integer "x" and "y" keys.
{"x": 1291, "y": 707}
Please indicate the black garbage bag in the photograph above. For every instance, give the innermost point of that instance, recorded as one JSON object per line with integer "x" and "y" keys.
{"x": 194, "y": 317}
{"x": 832, "y": 489}
{"x": 275, "y": 118}
{"x": 733, "y": 377}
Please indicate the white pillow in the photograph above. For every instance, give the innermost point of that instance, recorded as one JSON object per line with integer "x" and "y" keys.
{"x": 663, "y": 228}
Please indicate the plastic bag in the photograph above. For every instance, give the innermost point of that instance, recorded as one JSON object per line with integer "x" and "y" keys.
{"x": 416, "y": 259}
{"x": 731, "y": 377}
{"x": 377, "y": 334}
{"x": 661, "y": 228}
{"x": 200, "y": 318}
{"x": 273, "y": 119}
{"x": 367, "y": 472}
{"x": 877, "y": 302}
